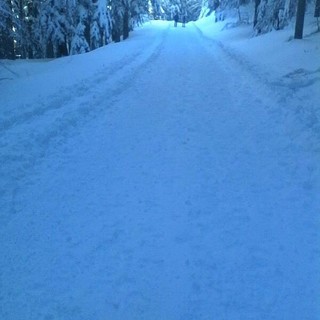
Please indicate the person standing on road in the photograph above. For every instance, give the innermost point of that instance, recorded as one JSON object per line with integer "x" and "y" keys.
{"x": 176, "y": 19}
{"x": 184, "y": 20}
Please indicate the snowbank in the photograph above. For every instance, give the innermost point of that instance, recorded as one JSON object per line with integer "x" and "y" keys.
{"x": 276, "y": 55}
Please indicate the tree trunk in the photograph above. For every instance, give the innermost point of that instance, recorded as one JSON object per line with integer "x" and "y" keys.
{"x": 62, "y": 50}
{"x": 116, "y": 36}
{"x": 49, "y": 50}
{"x": 126, "y": 24}
{"x": 116, "y": 27}
{"x": 298, "y": 34}
{"x": 317, "y": 9}
{"x": 87, "y": 31}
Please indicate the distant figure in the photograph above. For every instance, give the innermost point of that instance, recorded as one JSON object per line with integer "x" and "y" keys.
{"x": 184, "y": 19}
{"x": 176, "y": 19}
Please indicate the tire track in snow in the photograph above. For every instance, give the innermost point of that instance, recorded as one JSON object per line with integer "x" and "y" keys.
{"x": 174, "y": 221}
{"x": 282, "y": 98}
{"x": 25, "y": 139}
{"x": 68, "y": 94}
{"x": 291, "y": 109}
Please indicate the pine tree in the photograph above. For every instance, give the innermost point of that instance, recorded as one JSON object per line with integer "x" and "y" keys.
{"x": 116, "y": 19}
{"x": 6, "y": 30}
{"x": 156, "y": 9}
{"x": 125, "y": 14}
{"x": 272, "y": 15}
{"x": 52, "y": 26}
{"x": 100, "y": 25}
{"x": 21, "y": 36}
{"x": 79, "y": 43}
{"x": 193, "y": 9}
{"x": 4, "y": 13}
{"x": 138, "y": 9}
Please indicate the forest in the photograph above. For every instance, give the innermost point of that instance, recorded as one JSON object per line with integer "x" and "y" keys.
{"x": 33, "y": 29}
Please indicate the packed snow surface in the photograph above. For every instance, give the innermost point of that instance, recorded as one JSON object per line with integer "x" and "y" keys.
{"x": 172, "y": 176}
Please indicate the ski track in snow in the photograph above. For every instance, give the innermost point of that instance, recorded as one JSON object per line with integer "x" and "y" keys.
{"x": 58, "y": 113}
{"x": 158, "y": 192}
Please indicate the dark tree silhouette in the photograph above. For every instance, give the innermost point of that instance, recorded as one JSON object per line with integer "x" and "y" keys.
{"x": 301, "y": 9}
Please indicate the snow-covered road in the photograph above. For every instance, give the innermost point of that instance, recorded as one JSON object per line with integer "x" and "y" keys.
{"x": 166, "y": 187}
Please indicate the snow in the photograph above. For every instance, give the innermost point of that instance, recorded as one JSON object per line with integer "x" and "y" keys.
{"x": 174, "y": 175}
{"x": 274, "y": 54}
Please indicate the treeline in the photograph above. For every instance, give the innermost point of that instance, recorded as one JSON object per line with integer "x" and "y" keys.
{"x": 55, "y": 28}
{"x": 166, "y": 9}
{"x": 267, "y": 15}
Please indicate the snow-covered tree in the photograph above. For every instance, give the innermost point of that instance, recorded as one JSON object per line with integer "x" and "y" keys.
{"x": 125, "y": 14}
{"x": 193, "y": 9}
{"x": 264, "y": 20}
{"x": 156, "y": 9}
{"x": 6, "y": 30}
{"x": 79, "y": 42}
{"x": 273, "y": 14}
{"x": 100, "y": 25}
{"x": 54, "y": 27}
{"x": 189, "y": 8}
{"x": 138, "y": 10}
{"x": 4, "y": 13}
{"x": 116, "y": 13}
{"x": 26, "y": 13}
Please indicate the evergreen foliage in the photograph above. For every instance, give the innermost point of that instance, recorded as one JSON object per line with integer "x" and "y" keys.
{"x": 6, "y": 32}
{"x": 55, "y": 28}
{"x": 273, "y": 15}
